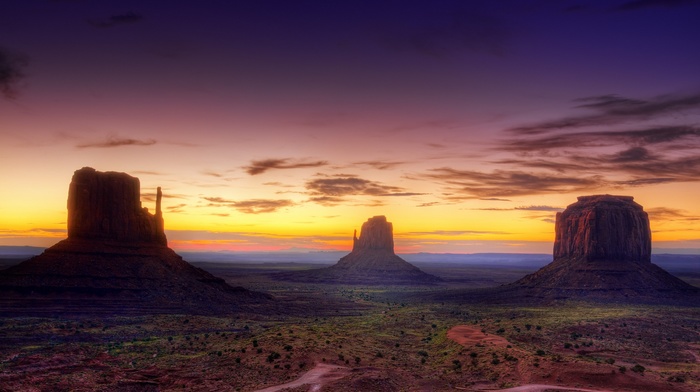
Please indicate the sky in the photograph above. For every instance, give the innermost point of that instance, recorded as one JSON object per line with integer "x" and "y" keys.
{"x": 284, "y": 125}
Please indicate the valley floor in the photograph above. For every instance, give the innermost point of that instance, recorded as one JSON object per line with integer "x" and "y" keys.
{"x": 360, "y": 338}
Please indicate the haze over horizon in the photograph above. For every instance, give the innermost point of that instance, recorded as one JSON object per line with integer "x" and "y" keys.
{"x": 276, "y": 125}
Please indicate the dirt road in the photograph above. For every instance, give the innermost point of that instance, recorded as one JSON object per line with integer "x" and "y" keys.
{"x": 322, "y": 373}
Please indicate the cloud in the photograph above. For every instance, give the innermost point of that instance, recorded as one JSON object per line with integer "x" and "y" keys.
{"x": 469, "y": 184}
{"x": 640, "y": 4}
{"x": 261, "y": 206}
{"x": 259, "y": 167}
{"x": 612, "y": 109}
{"x": 637, "y": 137}
{"x": 448, "y": 34}
{"x": 11, "y": 72}
{"x": 670, "y": 214}
{"x": 333, "y": 190}
{"x": 381, "y": 165}
{"x": 119, "y": 19}
{"x": 451, "y": 232}
{"x": 118, "y": 142}
{"x": 252, "y": 206}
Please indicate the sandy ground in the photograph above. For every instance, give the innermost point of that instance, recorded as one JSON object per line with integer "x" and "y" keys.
{"x": 315, "y": 378}
{"x": 469, "y": 335}
{"x": 543, "y": 387}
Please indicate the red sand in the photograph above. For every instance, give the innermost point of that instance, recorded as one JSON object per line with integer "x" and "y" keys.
{"x": 468, "y": 336}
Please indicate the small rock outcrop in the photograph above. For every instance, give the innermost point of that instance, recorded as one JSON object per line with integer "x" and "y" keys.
{"x": 372, "y": 261}
{"x": 115, "y": 261}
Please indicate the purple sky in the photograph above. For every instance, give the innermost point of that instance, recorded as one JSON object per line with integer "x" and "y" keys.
{"x": 285, "y": 124}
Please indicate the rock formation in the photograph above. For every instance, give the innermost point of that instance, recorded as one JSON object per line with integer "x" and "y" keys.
{"x": 602, "y": 250}
{"x": 115, "y": 260}
{"x": 372, "y": 261}
{"x": 107, "y": 206}
{"x": 603, "y": 228}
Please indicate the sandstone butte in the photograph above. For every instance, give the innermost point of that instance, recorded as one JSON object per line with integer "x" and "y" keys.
{"x": 115, "y": 260}
{"x": 602, "y": 248}
{"x": 371, "y": 261}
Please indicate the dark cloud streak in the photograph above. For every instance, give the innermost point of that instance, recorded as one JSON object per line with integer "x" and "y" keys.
{"x": 11, "y": 72}
{"x": 118, "y": 142}
{"x": 261, "y": 166}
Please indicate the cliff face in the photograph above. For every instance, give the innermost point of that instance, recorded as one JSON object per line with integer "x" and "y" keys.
{"x": 107, "y": 206}
{"x": 603, "y": 228}
{"x": 376, "y": 233}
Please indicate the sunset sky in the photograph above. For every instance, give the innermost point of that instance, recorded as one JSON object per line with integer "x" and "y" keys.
{"x": 283, "y": 125}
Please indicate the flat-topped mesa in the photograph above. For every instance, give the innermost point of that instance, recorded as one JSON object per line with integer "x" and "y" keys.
{"x": 603, "y": 228}
{"x": 107, "y": 206}
{"x": 376, "y": 233}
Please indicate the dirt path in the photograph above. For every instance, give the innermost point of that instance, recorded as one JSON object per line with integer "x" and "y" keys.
{"x": 315, "y": 378}
{"x": 467, "y": 335}
{"x": 543, "y": 387}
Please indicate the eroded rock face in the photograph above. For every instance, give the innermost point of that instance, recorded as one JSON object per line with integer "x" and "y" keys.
{"x": 603, "y": 228}
{"x": 376, "y": 233}
{"x": 107, "y": 206}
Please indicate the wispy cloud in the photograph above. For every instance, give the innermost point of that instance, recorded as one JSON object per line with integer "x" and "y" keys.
{"x": 670, "y": 214}
{"x": 11, "y": 72}
{"x": 334, "y": 189}
{"x": 261, "y": 206}
{"x": 450, "y": 233}
{"x": 115, "y": 20}
{"x": 458, "y": 31}
{"x": 252, "y": 206}
{"x": 118, "y": 142}
{"x": 640, "y": 4}
{"x": 261, "y": 166}
{"x": 469, "y": 184}
{"x": 381, "y": 164}
{"x": 612, "y": 109}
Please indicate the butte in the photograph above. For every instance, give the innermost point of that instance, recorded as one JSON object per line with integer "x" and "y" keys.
{"x": 372, "y": 262}
{"x": 602, "y": 252}
{"x": 115, "y": 261}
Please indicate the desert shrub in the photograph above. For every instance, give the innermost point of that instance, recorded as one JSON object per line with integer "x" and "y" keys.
{"x": 500, "y": 330}
{"x": 676, "y": 379}
{"x": 473, "y": 354}
{"x": 357, "y": 360}
{"x": 638, "y": 368}
{"x": 273, "y": 355}
{"x": 528, "y": 326}
{"x": 457, "y": 364}
{"x": 255, "y": 343}
{"x": 422, "y": 353}
{"x": 288, "y": 348}
{"x": 379, "y": 354}
{"x": 610, "y": 361}
{"x": 567, "y": 345}
{"x": 540, "y": 352}
{"x": 238, "y": 359}
{"x": 495, "y": 361}
{"x": 622, "y": 369}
